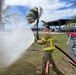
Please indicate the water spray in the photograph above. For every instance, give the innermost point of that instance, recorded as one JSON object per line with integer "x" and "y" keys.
{"x": 13, "y": 44}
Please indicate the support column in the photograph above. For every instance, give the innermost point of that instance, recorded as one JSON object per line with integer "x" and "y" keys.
{"x": 59, "y": 26}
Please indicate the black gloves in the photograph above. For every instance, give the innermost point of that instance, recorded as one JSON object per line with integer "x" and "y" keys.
{"x": 35, "y": 40}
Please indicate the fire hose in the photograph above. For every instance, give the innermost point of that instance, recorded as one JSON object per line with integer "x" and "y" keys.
{"x": 66, "y": 54}
{"x": 59, "y": 50}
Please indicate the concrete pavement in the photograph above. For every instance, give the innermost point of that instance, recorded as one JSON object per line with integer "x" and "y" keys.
{"x": 41, "y": 32}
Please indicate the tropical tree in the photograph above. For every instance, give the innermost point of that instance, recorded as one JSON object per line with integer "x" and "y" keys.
{"x": 74, "y": 18}
{"x": 0, "y": 9}
{"x": 1, "y": 24}
{"x": 34, "y": 16}
{"x": 3, "y": 10}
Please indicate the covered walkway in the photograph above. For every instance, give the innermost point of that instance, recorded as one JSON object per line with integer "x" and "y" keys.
{"x": 59, "y": 23}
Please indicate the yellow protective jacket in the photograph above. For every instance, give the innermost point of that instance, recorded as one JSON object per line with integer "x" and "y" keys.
{"x": 47, "y": 41}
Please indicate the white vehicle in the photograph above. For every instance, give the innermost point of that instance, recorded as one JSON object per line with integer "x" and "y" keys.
{"x": 72, "y": 46}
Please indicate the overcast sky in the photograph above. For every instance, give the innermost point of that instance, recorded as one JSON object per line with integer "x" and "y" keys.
{"x": 52, "y": 9}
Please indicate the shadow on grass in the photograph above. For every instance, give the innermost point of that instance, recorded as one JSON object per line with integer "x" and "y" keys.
{"x": 57, "y": 71}
{"x": 54, "y": 68}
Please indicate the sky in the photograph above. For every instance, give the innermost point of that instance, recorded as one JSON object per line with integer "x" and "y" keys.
{"x": 52, "y": 9}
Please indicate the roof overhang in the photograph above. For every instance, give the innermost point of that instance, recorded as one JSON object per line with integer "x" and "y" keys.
{"x": 58, "y": 22}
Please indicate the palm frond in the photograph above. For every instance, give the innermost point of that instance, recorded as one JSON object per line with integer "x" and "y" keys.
{"x": 43, "y": 22}
{"x": 34, "y": 15}
{"x": 32, "y": 18}
{"x": 34, "y": 12}
{"x": 31, "y": 15}
{"x": 30, "y": 21}
{"x": 40, "y": 12}
{"x": 72, "y": 21}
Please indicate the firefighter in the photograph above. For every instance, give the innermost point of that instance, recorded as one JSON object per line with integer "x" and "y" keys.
{"x": 48, "y": 43}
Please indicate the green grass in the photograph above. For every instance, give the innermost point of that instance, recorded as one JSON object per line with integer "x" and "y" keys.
{"x": 31, "y": 61}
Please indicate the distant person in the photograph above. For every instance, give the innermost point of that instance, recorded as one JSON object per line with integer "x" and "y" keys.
{"x": 49, "y": 47}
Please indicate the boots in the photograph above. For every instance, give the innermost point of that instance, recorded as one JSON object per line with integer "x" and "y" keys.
{"x": 41, "y": 73}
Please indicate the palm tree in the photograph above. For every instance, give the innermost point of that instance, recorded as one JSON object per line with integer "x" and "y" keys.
{"x": 0, "y": 9}
{"x": 3, "y": 9}
{"x": 34, "y": 16}
{"x": 74, "y": 18}
{"x": 1, "y": 24}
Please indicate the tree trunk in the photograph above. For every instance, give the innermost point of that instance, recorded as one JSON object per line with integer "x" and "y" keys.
{"x": 0, "y": 10}
{"x": 37, "y": 35}
{"x": 1, "y": 24}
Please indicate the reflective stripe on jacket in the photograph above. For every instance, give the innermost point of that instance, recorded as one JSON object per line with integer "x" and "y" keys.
{"x": 47, "y": 42}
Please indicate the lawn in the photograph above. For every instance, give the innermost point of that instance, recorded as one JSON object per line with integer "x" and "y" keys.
{"x": 31, "y": 61}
